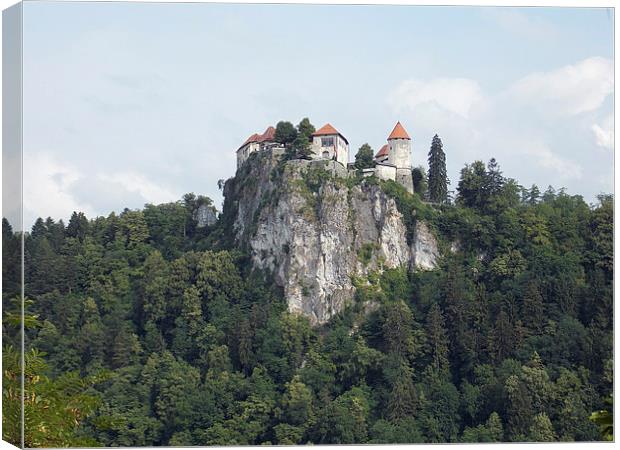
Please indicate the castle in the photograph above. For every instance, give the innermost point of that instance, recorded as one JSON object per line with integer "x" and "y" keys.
{"x": 392, "y": 161}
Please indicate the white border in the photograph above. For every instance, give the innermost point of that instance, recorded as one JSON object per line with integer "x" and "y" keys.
{"x": 557, "y": 3}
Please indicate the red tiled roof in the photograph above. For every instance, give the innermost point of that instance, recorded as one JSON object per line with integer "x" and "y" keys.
{"x": 327, "y": 130}
{"x": 253, "y": 138}
{"x": 398, "y": 132}
{"x": 382, "y": 152}
{"x": 268, "y": 136}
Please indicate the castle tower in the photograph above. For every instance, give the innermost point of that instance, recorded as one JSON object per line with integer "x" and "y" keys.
{"x": 329, "y": 143}
{"x": 399, "y": 155}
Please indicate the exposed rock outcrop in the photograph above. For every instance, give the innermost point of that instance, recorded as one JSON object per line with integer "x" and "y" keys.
{"x": 305, "y": 224}
{"x": 205, "y": 216}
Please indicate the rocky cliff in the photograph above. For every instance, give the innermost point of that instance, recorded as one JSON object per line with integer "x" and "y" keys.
{"x": 314, "y": 228}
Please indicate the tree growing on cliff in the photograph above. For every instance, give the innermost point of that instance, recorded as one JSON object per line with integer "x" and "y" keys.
{"x": 300, "y": 148}
{"x": 305, "y": 129}
{"x": 286, "y": 133}
{"x": 437, "y": 175}
{"x": 420, "y": 181}
{"x": 364, "y": 157}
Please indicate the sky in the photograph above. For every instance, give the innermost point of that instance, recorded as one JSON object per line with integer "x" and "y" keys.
{"x": 133, "y": 103}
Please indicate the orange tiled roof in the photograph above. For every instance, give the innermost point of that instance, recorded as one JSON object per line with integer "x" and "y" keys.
{"x": 269, "y": 135}
{"x": 382, "y": 152}
{"x": 253, "y": 138}
{"x": 398, "y": 132}
{"x": 327, "y": 130}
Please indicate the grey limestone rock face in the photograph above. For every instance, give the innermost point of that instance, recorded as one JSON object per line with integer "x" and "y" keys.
{"x": 310, "y": 236}
{"x": 205, "y": 216}
{"x": 424, "y": 248}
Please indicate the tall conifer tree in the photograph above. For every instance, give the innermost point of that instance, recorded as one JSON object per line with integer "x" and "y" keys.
{"x": 437, "y": 175}
{"x": 437, "y": 339}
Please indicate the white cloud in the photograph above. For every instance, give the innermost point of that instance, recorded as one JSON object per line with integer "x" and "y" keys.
{"x": 63, "y": 188}
{"x": 534, "y": 127}
{"x": 140, "y": 184}
{"x": 47, "y": 181}
{"x": 523, "y": 25}
{"x": 569, "y": 90}
{"x": 456, "y": 95}
{"x": 604, "y": 133}
{"x": 564, "y": 168}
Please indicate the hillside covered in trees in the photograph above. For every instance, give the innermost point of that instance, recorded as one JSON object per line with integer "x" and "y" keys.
{"x": 144, "y": 329}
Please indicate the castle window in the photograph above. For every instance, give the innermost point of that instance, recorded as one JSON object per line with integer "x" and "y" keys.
{"x": 326, "y": 155}
{"x": 327, "y": 142}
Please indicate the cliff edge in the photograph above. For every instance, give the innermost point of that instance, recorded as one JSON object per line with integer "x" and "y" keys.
{"x": 314, "y": 228}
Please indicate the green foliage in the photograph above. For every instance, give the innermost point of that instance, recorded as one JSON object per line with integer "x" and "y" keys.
{"x": 286, "y": 133}
{"x": 491, "y": 431}
{"x": 53, "y": 408}
{"x": 510, "y": 338}
{"x": 364, "y": 158}
{"x": 420, "y": 181}
{"x": 133, "y": 228}
{"x": 345, "y": 420}
{"x": 437, "y": 175}
{"x": 601, "y": 224}
{"x": 486, "y": 189}
{"x": 409, "y": 205}
{"x": 305, "y": 129}
{"x": 366, "y": 251}
{"x": 541, "y": 429}
{"x": 605, "y": 420}
{"x": 437, "y": 339}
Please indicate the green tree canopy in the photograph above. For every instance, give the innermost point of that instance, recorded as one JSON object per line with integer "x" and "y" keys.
{"x": 364, "y": 158}
{"x": 437, "y": 174}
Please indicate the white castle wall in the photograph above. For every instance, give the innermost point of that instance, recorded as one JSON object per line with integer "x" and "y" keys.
{"x": 404, "y": 177}
{"x": 340, "y": 149}
{"x": 385, "y": 172}
{"x": 400, "y": 153}
{"x": 244, "y": 152}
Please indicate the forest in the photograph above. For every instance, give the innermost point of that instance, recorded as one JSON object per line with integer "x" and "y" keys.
{"x": 143, "y": 329}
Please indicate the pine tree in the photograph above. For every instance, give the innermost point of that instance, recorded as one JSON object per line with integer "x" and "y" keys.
{"x": 495, "y": 180}
{"x": 244, "y": 346}
{"x": 300, "y": 146}
{"x": 518, "y": 408}
{"x": 397, "y": 329}
{"x": 78, "y": 226}
{"x": 494, "y": 427}
{"x": 541, "y": 429}
{"x": 437, "y": 175}
{"x": 437, "y": 339}
{"x": 501, "y": 340}
{"x": 533, "y": 308}
{"x": 126, "y": 348}
{"x": 534, "y": 195}
{"x": 305, "y": 129}
{"x": 38, "y": 229}
{"x": 403, "y": 399}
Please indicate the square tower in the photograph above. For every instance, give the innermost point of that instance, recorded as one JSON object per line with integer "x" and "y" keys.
{"x": 328, "y": 143}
